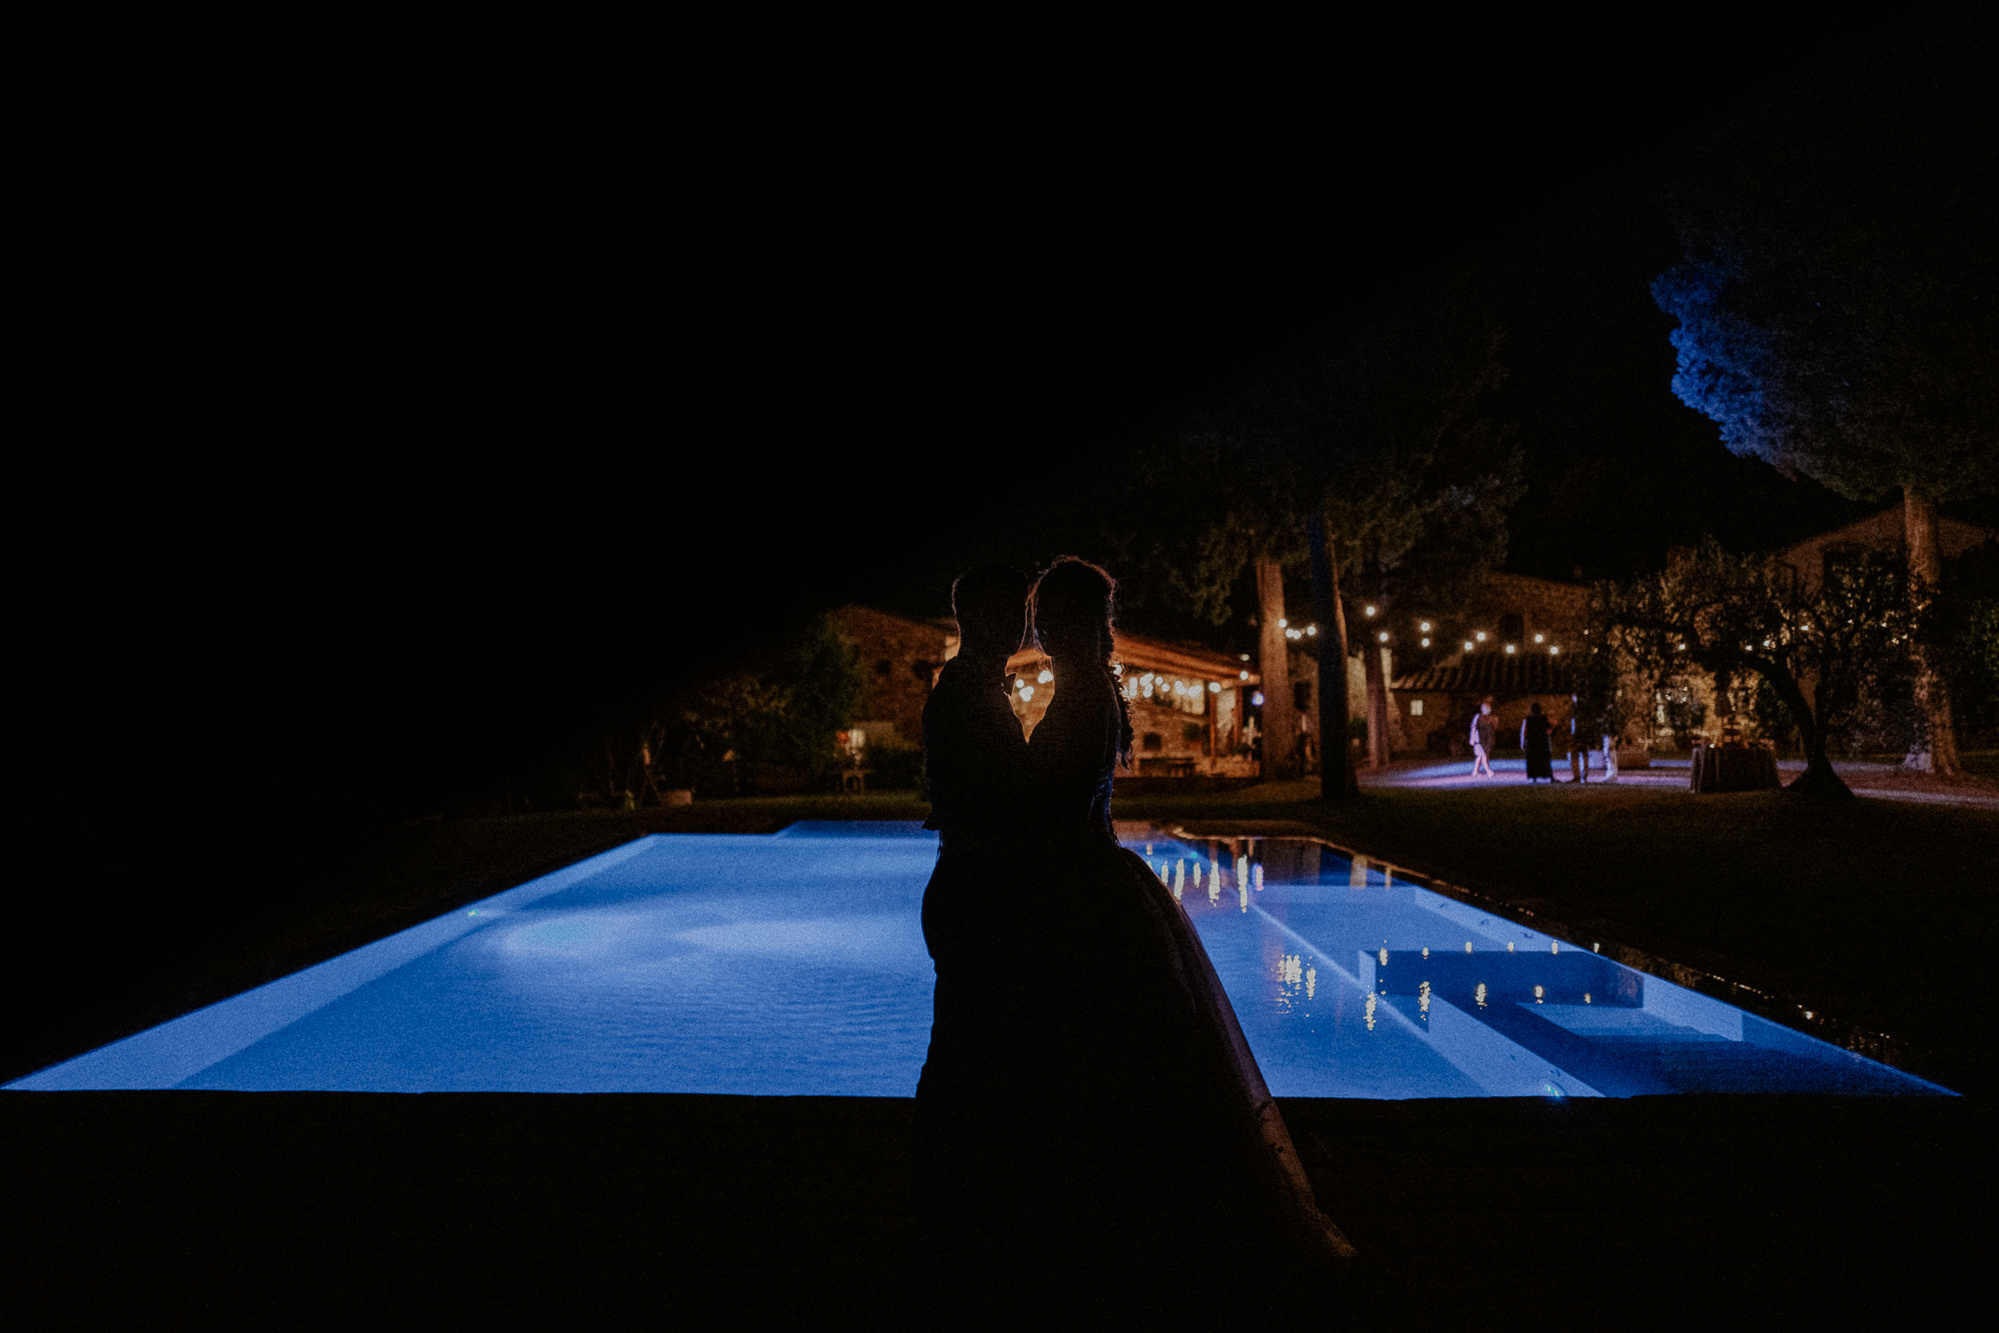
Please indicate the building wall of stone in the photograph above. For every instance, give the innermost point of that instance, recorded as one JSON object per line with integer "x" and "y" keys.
{"x": 1884, "y": 531}
{"x": 899, "y": 662}
{"x": 1444, "y": 726}
{"x": 1557, "y": 611}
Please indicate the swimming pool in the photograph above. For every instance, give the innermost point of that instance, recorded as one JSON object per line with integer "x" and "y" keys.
{"x": 794, "y": 964}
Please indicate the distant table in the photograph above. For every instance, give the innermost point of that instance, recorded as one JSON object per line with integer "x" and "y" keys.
{"x": 1720, "y": 768}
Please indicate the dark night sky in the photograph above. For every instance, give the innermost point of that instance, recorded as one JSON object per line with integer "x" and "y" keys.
{"x": 403, "y": 437}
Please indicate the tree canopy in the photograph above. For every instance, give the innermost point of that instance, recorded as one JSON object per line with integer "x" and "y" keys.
{"x": 1827, "y": 650}
{"x": 1386, "y": 432}
{"x": 1838, "y": 300}
{"x": 1838, "y": 295}
{"x": 1381, "y": 439}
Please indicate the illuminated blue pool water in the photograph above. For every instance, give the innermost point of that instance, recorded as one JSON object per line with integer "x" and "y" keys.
{"x": 794, "y": 964}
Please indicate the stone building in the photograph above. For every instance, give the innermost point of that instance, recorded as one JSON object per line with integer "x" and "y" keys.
{"x": 899, "y": 663}
{"x": 1507, "y": 645}
{"x": 1884, "y": 531}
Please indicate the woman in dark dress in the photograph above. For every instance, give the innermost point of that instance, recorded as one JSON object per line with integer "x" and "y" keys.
{"x": 1535, "y": 745}
{"x": 1165, "y": 1176}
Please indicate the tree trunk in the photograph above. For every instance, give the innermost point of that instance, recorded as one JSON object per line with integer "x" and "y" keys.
{"x": 1937, "y": 753}
{"x": 1818, "y": 779}
{"x": 1280, "y": 724}
{"x": 1336, "y": 776}
{"x": 1375, "y": 672}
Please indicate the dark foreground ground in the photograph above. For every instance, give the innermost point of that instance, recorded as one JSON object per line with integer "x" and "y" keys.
{"x": 281, "y": 1210}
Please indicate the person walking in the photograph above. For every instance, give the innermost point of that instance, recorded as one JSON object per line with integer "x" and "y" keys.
{"x": 1484, "y": 738}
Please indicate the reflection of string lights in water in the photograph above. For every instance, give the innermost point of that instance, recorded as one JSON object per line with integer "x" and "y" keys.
{"x": 1586, "y": 998}
{"x": 1509, "y": 946}
{"x": 1479, "y": 995}
{"x": 1311, "y": 982}
{"x": 1538, "y": 994}
{"x": 1369, "y": 1015}
{"x": 1214, "y": 890}
{"x": 1259, "y": 877}
{"x": 1197, "y": 874}
{"x": 1426, "y": 951}
{"x": 1383, "y": 955}
{"x": 1467, "y": 946}
{"x": 1554, "y": 946}
{"x": 1180, "y": 877}
{"x": 1423, "y": 999}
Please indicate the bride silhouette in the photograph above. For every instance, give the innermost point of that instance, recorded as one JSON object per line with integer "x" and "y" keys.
{"x": 1092, "y": 1128}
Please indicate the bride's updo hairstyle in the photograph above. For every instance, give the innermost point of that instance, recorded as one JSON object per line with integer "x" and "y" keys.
{"x": 1073, "y": 605}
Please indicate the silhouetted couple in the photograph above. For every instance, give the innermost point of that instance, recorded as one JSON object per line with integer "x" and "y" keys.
{"x": 1093, "y": 1133}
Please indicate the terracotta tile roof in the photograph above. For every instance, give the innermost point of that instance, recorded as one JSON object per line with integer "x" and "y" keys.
{"x": 1493, "y": 673}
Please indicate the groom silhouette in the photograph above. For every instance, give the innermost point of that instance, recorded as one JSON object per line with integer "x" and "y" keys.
{"x": 975, "y": 760}
{"x": 973, "y": 750}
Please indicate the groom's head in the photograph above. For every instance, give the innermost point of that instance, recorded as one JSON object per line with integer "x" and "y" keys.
{"x": 990, "y": 602}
